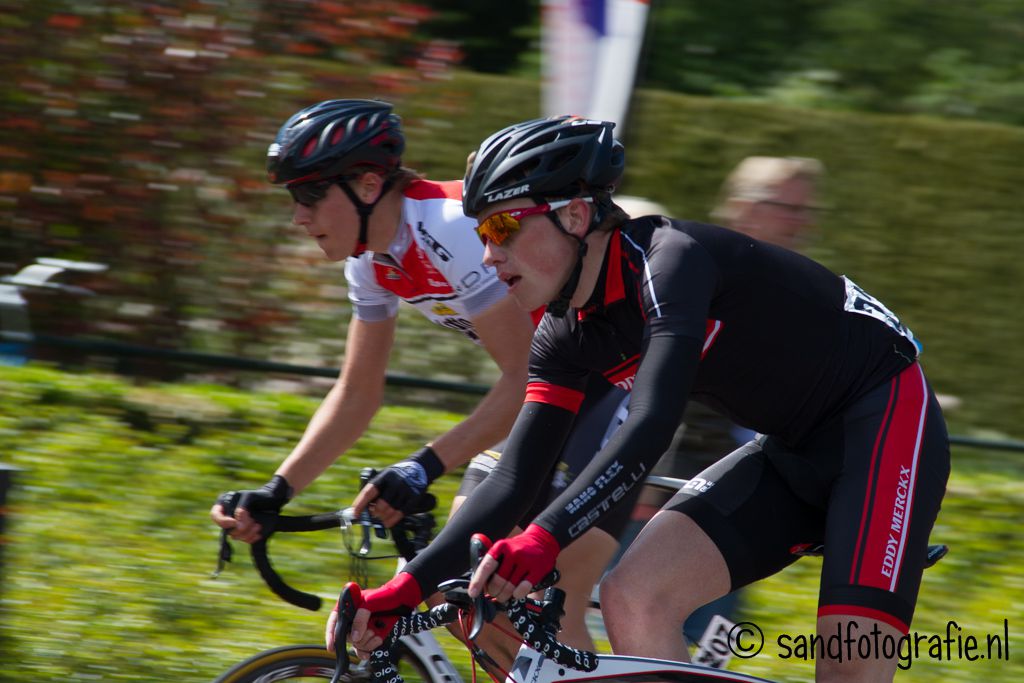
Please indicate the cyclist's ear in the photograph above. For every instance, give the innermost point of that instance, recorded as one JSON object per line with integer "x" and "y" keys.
{"x": 576, "y": 217}
{"x": 368, "y": 186}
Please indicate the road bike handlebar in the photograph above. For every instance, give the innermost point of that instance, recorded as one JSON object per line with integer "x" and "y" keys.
{"x": 410, "y": 536}
{"x": 537, "y": 621}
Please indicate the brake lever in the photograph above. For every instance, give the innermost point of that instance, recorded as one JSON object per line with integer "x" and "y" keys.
{"x": 365, "y": 523}
{"x": 365, "y": 520}
{"x": 350, "y": 594}
{"x": 228, "y": 501}
{"x": 483, "y": 609}
{"x": 225, "y": 553}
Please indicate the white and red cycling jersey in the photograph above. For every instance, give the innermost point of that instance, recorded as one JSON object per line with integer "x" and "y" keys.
{"x": 434, "y": 263}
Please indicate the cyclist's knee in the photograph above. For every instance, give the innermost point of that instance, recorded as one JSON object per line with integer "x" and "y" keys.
{"x": 828, "y": 670}
{"x": 622, "y": 596}
{"x": 850, "y": 664}
{"x": 627, "y": 593}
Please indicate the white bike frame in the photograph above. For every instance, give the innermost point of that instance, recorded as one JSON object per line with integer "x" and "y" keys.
{"x": 531, "y": 666}
{"x": 425, "y": 647}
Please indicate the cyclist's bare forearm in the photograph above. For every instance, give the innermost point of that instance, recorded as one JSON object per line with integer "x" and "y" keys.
{"x": 488, "y": 424}
{"x": 349, "y": 406}
{"x": 339, "y": 421}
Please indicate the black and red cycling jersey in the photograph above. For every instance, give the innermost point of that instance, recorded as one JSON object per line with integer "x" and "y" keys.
{"x": 770, "y": 338}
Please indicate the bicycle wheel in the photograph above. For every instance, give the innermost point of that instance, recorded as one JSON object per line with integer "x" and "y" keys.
{"x": 298, "y": 663}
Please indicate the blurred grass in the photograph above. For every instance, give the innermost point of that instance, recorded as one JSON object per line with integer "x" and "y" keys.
{"x": 109, "y": 548}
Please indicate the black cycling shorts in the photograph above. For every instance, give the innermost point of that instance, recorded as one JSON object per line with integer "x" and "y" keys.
{"x": 868, "y": 484}
{"x": 602, "y": 412}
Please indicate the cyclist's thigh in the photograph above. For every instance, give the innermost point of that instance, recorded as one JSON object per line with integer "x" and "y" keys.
{"x": 750, "y": 513}
{"x": 885, "y": 501}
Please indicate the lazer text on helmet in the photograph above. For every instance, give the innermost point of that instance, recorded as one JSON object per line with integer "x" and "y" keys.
{"x": 508, "y": 194}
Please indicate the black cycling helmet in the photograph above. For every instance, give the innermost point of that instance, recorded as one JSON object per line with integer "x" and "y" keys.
{"x": 562, "y": 156}
{"x": 558, "y": 157}
{"x": 329, "y": 138}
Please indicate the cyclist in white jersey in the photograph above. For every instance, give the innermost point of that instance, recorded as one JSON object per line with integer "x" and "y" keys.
{"x": 404, "y": 238}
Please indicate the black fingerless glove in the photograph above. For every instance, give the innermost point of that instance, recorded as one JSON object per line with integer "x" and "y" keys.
{"x": 404, "y": 483}
{"x": 270, "y": 497}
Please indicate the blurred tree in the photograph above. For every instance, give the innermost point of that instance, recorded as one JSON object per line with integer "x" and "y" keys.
{"x": 942, "y": 58}
{"x": 493, "y": 34}
{"x": 724, "y": 48}
{"x": 899, "y": 55}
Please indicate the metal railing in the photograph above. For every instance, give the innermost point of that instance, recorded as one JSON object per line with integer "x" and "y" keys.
{"x": 123, "y": 350}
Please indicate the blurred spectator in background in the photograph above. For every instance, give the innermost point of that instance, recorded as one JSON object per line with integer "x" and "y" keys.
{"x": 771, "y": 199}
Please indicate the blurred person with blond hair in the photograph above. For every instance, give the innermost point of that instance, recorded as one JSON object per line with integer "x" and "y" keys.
{"x": 771, "y": 199}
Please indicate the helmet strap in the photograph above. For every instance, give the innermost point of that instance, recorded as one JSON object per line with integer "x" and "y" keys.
{"x": 365, "y": 210}
{"x": 559, "y": 306}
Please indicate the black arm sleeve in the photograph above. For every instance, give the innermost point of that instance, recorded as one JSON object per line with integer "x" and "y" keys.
{"x": 499, "y": 502}
{"x": 663, "y": 381}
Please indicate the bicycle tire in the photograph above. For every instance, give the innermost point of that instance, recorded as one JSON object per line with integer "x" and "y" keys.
{"x": 301, "y": 663}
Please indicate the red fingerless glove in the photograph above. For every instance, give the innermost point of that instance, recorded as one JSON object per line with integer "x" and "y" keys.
{"x": 530, "y": 556}
{"x": 398, "y": 597}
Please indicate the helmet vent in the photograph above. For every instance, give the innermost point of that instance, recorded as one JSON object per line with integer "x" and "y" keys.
{"x": 309, "y": 147}
{"x": 562, "y": 159}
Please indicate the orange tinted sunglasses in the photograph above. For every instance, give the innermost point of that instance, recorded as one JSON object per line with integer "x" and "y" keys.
{"x": 500, "y": 226}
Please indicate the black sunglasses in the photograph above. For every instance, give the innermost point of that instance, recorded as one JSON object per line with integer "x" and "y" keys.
{"x": 310, "y": 193}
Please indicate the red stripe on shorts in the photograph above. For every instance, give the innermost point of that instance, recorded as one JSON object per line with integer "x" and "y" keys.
{"x": 887, "y": 513}
{"x": 866, "y": 612}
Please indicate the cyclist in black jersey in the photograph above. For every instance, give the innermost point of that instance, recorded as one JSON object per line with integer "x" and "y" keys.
{"x": 852, "y": 450}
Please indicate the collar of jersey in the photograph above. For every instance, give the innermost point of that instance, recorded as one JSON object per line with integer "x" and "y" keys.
{"x": 610, "y": 287}
{"x": 399, "y": 246}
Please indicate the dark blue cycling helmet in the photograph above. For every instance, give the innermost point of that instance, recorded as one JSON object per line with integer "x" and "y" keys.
{"x": 328, "y": 139}
{"x": 562, "y": 156}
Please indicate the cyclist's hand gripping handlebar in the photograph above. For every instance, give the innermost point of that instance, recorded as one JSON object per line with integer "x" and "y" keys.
{"x": 351, "y": 600}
